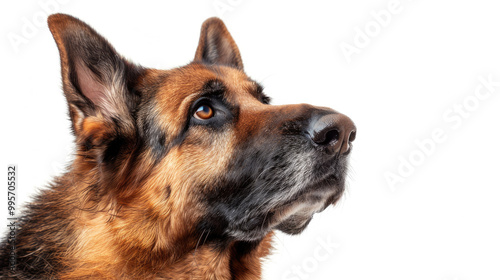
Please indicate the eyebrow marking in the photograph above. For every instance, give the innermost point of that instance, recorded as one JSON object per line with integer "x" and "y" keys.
{"x": 214, "y": 85}
{"x": 257, "y": 90}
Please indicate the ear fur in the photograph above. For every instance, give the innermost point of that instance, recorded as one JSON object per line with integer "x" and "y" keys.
{"x": 97, "y": 81}
{"x": 216, "y": 46}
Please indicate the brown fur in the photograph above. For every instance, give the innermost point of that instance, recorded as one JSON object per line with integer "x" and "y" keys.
{"x": 137, "y": 202}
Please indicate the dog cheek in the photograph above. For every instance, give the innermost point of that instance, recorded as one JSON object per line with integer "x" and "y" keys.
{"x": 187, "y": 170}
{"x": 204, "y": 156}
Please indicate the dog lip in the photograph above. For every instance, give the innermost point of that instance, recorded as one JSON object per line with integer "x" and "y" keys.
{"x": 320, "y": 190}
{"x": 293, "y": 216}
{"x": 296, "y": 211}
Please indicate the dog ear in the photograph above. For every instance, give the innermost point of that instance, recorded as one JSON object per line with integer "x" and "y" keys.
{"x": 216, "y": 46}
{"x": 97, "y": 81}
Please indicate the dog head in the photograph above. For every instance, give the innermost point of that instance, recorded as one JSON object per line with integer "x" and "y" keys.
{"x": 197, "y": 149}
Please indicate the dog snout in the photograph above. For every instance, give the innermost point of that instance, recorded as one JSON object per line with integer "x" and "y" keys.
{"x": 334, "y": 131}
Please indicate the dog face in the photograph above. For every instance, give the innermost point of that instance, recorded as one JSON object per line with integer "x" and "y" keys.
{"x": 195, "y": 151}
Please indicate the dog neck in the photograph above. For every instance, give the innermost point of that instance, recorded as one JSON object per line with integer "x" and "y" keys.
{"x": 123, "y": 245}
{"x": 238, "y": 260}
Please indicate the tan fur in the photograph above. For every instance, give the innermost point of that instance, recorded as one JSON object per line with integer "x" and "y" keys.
{"x": 131, "y": 209}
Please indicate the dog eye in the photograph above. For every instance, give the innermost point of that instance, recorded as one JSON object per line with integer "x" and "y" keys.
{"x": 204, "y": 112}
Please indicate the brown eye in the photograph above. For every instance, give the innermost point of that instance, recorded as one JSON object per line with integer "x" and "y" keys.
{"x": 204, "y": 112}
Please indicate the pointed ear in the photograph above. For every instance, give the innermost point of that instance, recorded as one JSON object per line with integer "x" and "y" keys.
{"x": 216, "y": 46}
{"x": 97, "y": 81}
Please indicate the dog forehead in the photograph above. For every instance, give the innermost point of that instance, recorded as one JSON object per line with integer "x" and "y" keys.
{"x": 239, "y": 89}
{"x": 182, "y": 86}
{"x": 180, "y": 83}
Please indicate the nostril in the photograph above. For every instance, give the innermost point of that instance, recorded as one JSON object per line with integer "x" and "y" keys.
{"x": 330, "y": 136}
{"x": 334, "y": 131}
{"x": 352, "y": 136}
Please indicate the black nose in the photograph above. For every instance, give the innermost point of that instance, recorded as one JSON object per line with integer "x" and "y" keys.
{"x": 335, "y": 131}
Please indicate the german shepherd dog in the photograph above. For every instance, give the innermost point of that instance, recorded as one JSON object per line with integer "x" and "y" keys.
{"x": 178, "y": 174}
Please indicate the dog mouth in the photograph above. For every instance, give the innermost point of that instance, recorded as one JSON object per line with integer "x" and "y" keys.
{"x": 331, "y": 186}
{"x": 293, "y": 215}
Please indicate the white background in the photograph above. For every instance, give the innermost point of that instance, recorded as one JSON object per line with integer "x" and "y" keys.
{"x": 441, "y": 222}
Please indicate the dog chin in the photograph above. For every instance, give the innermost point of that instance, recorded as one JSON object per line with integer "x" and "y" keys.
{"x": 296, "y": 216}
{"x": 294, "y": 224}
{"x": 293, "y": 217}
